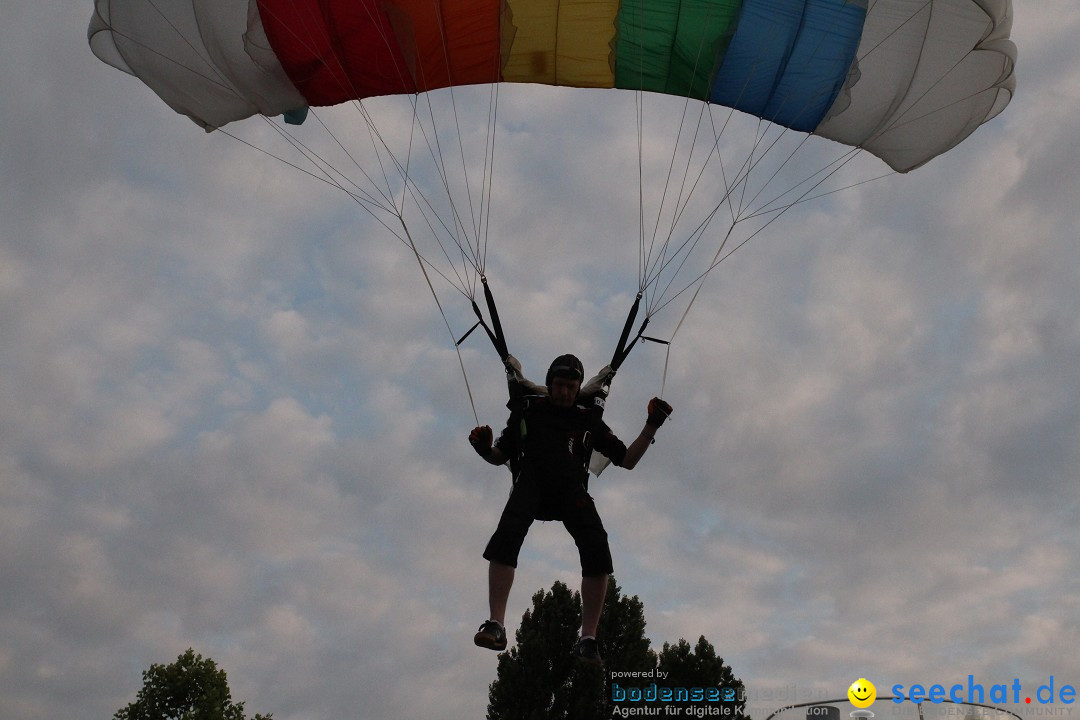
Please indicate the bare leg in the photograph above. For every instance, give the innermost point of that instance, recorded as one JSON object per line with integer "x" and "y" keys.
{"x": 500, "y": 580}
{"x": 593, "y": 591}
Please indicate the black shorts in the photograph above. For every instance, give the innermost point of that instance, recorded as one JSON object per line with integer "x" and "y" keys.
{"x": 538, "y": 498}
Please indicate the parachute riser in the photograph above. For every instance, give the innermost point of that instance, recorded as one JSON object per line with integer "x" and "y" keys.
{"x": 621, "y": 350}
{"x": 625, "y": 343}
{"x": 599, "y": 393}
{"x": 497, "y": 336}
{"x": 494, "y": 331}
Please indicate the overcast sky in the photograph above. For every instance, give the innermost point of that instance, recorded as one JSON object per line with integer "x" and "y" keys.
{"x": 231, "y": 417}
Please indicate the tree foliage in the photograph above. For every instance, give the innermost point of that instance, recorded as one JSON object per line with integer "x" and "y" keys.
{"x": 700, "y": 668}
{"x": 539, "y": 678}
{"x": 192, "y": 688}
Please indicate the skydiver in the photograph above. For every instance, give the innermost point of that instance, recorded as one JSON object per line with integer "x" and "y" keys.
{"x": 547, "y": 442}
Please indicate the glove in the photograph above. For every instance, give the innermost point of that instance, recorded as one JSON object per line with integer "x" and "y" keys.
{"x": 658, "y": 412}
{"x": 480, "y": 438}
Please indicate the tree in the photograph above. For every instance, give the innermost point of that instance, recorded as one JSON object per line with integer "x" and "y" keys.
{"x": 701, "y": 668}
{"x": 539, "y": 679}
{"x": 189, "y": 689}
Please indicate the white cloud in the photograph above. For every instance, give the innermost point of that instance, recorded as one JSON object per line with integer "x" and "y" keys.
{"x": 232, "y": 419}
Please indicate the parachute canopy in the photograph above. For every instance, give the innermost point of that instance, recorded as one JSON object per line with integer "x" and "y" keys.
{"x": 905, "y": 79}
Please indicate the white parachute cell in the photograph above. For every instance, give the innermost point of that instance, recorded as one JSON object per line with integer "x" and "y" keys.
{"x": 207, "y": 59}
{"x": 926, "y": 75}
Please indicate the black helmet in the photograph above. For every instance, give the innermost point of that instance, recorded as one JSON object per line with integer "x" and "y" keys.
{"x": 565, "y": 366}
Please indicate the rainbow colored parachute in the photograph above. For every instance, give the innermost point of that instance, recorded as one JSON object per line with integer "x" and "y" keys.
{"x": 904, "y": 79}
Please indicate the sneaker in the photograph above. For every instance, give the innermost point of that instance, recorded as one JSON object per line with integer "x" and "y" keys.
{"x": 491, "y": 635}
{"x": 588, "y": 652}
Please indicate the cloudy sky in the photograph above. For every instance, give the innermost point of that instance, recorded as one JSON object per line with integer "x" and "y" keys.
{"x": 231, "y": 416}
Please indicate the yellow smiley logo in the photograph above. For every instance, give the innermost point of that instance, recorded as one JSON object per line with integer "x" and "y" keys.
{"x": 862, "y": 693}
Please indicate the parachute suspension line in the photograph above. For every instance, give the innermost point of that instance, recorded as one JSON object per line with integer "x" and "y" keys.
{"x": 388, "y": 205}
{"x": 684, "y": 195}
{"x": 694, "y": 238}
{"x": 376, "y": 139}
{"x": 751, "y": 163}
{"x": 764, "y": 208}
{"x": 361, "y": 197}
{"x": 464, "y": 171}
{"x": 646, "y": 259}
{"x": 373, "y": 131}
{"x": 746, "y": 207}
{"x": 396, "y": 207}
{"x": 656, "y": 266}
{"x": 358, "y": 195}
{"x": 424, "y": 205}
{"x": 478, "y": 260}
{"x": 649, "y": 259}
{"x": 325, "y": 168}
{"x": 387, "y": 196}
{"x": 684, "y": 250}
{"x": 838, "y": 164}
{"x": 639, "y": 114}
{"x": 471, "y": 250}
{"x": 720, "y": 256}
{"x": 475, "y": 254}
{"x": 826, "y": 171}
{"x": 666, "y": 256}
{"x": 743, "y": 174}
{"x": 489, "y": 175}
{"x": 667, "y": 185}
{"x": 217, "y": 79}
{"x": 460, "y": 233}
{"x": 681, "y": 207}
{"x": 457, "y": 346}
{"x": 328, "y": 171}
{"x": 381, "y": 149}
{"x": 822, "y": 90}
{"x": 382, "y": 200}
{"x": 488, "y": 184}
{"x": 773, "y": 205}
{"x": 847, "y": 187}
{"x": 346, "y": 85}
{"x": 699, "y": 282}
{"x": 927, "y": 6}
{"x": 719, "y": 155}
{"x": 466, "y": 285}
{"x": 472, "y": 253}
{"x": 654, "y": 252}
{"x": 405, "y": 235}
{"x": 435, "y": 150}
{"x": 477, "y": 247}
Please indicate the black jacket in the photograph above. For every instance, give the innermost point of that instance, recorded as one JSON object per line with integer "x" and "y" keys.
{"x": 554, "y": 441}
